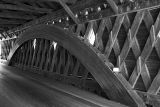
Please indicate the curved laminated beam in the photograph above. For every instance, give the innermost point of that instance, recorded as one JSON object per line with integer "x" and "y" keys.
{"x": 111, "y": 85}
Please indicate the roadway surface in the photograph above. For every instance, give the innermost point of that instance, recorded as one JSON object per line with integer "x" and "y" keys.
{"x": 18, "y": 89}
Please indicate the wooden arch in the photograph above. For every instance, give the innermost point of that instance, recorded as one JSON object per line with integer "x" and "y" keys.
{"x": 111, "y": 85}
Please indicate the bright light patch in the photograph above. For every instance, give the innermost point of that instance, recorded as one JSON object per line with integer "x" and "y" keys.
{"x": 0, "y": 49}
{"x": 159, "y": 34}
{"x": 67, "y": 18}
{"x": 54, "y": 44}
{"x": 76, "y": 15}
{"x": 91, "y": 37}
{"x": 86, "y": 13}
{"x": 34, "y": 43}
{"x": 14, "y": 36}
{"x": 116, "y": 70}
{"x": 60, "y": 20}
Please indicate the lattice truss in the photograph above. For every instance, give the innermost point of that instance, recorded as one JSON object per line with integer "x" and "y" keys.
{"x": 130, "y": 42}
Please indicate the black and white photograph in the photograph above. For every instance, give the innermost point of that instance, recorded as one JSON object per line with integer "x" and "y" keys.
{"x": 79, "y": 53}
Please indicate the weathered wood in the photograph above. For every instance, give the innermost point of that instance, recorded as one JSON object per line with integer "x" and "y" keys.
{"x": 41, "y": 10}
{"x": 66, "y": 1}
{"x": 150, "y": 99}
{"x": 35, "y": 52}
{"x": 64, "y": 95}
{"x": 20, "y": 8}
{"x": 38, "y": 54}
{"x": 54, "y": 59}
{"x": 113, "y": 5}
{"x": 113, "y": 35}
{"x": 98, "y": 42}
{"x": 132, "y": 92}
{"x": 95, "y": 66}
{"x": 155, "y": 86}
{"x": 16, "y": 15}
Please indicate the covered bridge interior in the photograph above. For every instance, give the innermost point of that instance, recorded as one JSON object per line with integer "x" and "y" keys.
{"x": 79, "y": 53}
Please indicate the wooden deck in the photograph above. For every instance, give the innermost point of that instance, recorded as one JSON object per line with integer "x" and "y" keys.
{"x": 27, "y": 90}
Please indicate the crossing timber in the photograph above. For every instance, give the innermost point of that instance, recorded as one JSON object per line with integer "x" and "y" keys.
{"x": 108, "y": 48}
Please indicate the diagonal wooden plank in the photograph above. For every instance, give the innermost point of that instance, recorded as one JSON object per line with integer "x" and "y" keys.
{"x": 123, "y": 69}
{"x": 68, "y": 10}
{"x": 146, "y": 76}
{"x": 136, "y": 48}
{"x": 113, "y": 5}
{"x": 149, "y": 45}
{"x": 98, "y": 40}
{"x": 155, "y": 86}
{"x": 141, "y": 68}
{"x": 150, "y": 99}
{"x": 113, "y": 35}
{"x": 129, "y": 42}
{"x": 132, "y": 92}
{"x": 157, "y": 44}
{"x": 148, "y": 19}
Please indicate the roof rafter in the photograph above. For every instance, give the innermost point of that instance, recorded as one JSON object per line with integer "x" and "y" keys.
{"x": 16, "y": 15}
{"x": 43, "y": 10}
{"x": 4, "y": 21}
{"x": 66, "y": 1}
{"x": 20, "y": 8}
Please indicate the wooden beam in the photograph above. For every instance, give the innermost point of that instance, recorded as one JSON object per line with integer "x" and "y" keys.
{"x": 15, "y": 15}
{"x": 132, "y": 92}
{"x": 20, "y": 8}
{"x": 66, "y": 1}
{"x": 3, "y": 35}
{"x": 43, "y": 10}
{"x": 102, "y": 73}
{"x": 81, "y": 5}
{"x": 113, "y": 5}
{"x": 4, "y": 21}
{"x": 8, "y": 26}
{"x": 155, "y": 86}
{"x": 150, "y": 99}
{"x": 68, "y": 10}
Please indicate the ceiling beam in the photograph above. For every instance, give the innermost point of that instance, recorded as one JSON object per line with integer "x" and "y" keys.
{"x": 57, "y": 14}
{"x": 68, "y": 10}
{"x": 15, "y": 15}
{"x": 8, "y": 26}
{"x": 4, "y": 21}
{"x": 40, "y": 10}
{"x": 20, "y": 8}
{"x": 66, "y": 1}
